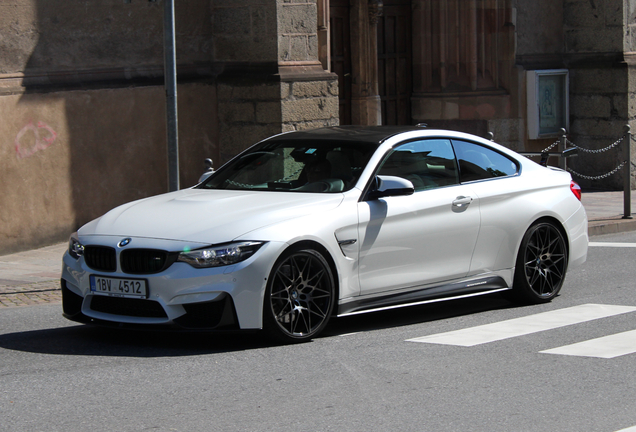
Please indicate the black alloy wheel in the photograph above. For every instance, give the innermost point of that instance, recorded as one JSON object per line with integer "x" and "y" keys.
{"x": 541, "y": 263}
{"x": 299, "y": 297}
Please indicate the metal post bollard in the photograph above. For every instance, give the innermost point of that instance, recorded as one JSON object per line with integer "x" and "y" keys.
{"x": 208, "y": 170}
{"x": 627, "y": 174}
{"x": 562, "y": 144}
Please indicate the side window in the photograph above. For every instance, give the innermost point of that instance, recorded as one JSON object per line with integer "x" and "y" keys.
{"x": 427, "y": 163}
{"x": 479, "y": 163}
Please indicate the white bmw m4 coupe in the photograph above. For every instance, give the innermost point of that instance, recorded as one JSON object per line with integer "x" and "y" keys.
{"x": 309, "y": 225}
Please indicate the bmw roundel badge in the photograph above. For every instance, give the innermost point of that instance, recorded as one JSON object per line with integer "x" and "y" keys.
{"x": 124, "y": 242}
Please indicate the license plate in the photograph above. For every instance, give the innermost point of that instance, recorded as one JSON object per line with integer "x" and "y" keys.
{"x": 119, "y": 287}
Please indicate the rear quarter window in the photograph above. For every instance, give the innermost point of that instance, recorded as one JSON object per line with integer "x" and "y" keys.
{"x": 477, "y": 162}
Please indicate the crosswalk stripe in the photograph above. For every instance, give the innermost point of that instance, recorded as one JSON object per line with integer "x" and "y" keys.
{"x": 523, "y": 326}
{"x": 609, "y": 244}
{"x": 615, "y": 345}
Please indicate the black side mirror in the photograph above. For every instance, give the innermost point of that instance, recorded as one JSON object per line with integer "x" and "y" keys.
{"x": 386, "y": 186}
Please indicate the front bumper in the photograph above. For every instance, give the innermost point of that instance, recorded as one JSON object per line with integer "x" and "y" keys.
{"x": 229, "y": 297}
{"x": 219, "y": 314}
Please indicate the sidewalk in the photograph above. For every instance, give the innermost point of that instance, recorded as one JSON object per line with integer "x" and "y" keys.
{"x": 605, "y": 212}
{"x": 33, "y": 277}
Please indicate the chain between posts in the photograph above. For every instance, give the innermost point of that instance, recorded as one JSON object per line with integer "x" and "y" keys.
{"x": 563, "y": 142}
{"x": 598, "y": 177}
{"x": 554, "y": 144}
{"x": 611, "y": 146}
{"x": 590, "y": 151}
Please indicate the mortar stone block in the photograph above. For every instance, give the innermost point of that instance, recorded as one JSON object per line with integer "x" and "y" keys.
{"x": 236, "y": 112}
{"x": 599, "y": 40}
{"x": 299, "y": 48}
{"x": 257, "y": 92}
{"x": 334, "y": 89}
{"x": 620, "y": 106}
{"x": 306, "y": 109}
{"x": 604, "y": 81}
{"x": 268, "y": 112}
{"x": 610, "y": 130}
{"x": 591, "y": 106}
{"x": 505, "y": 130}
{"x": 583, "y": 14}
{"x": 232, "y": 21}
{"x": 310, "y": 89}
{"x": 285, "y": 90}
{"x": 300, "y": 18}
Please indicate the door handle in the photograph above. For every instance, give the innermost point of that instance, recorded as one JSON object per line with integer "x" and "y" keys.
{"x": 462, "y": 201}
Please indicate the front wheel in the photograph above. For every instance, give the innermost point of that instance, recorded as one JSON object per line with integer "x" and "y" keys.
{"x": 541, "y": 264}
{"x": 299, "y": 297}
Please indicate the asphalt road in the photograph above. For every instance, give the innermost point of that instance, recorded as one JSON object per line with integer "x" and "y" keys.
{"x": 364, "y": 374}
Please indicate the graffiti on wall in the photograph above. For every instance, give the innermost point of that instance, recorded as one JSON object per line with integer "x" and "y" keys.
{"x": 33, "y": 138}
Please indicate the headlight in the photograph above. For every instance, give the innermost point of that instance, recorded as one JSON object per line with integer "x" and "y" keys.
{"x": 221, "y": 255}
{"x": 75, "y": 248}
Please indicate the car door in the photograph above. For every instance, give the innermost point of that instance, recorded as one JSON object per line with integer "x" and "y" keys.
{"x": 427, "y": 237}
{"x": 494, "y": 178}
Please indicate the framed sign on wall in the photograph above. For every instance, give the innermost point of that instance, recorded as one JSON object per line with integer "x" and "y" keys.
{"x": 548, "y": 102}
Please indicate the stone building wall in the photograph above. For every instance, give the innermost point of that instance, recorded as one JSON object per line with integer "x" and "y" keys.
{"x": 82, "y": 98}
{"x": 309, "y": 104}
{"x": 630, "y": 60}
{"x": 283, "y": 86}
{"x": 587, "y": 38}
{"x": 83, "y": 105}
{"x": 595, "y": 45}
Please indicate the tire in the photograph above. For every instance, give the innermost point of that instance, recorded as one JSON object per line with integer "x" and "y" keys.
{"x": 299, "y": 297}
{"x": 541, "y": 264}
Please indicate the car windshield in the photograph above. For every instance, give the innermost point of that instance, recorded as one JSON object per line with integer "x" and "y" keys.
{"x": 295, "y": 166}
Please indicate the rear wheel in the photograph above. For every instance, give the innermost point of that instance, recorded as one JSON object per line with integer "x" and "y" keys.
{"x": 299, "y": 297}
{"x": 541, "y": 264}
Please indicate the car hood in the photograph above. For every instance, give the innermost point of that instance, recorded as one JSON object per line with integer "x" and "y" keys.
{"x": 207, "y": 216}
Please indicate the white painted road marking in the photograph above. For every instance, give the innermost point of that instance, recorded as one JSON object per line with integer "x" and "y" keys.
{"x": 617, "y": 245}
{"x": 605, "y": 347}
{"x": 522, "y": 326}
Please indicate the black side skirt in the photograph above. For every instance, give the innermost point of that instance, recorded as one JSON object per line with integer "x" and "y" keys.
{"x": 451, "y": 291}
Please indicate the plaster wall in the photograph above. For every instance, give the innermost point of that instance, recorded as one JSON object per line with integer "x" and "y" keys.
{"x": 68, "y": 157}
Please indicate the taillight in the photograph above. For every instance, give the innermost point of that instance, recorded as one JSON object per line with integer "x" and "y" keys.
{"x": 576, "y": 189}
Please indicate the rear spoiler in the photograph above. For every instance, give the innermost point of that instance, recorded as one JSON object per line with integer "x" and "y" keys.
{"x": 546, "y": 155}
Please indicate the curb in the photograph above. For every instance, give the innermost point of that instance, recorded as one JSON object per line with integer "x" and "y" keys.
{"x": 614, "y": 225}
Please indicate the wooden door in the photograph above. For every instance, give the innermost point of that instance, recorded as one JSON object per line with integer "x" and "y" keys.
{"x": 395, "y": 62}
